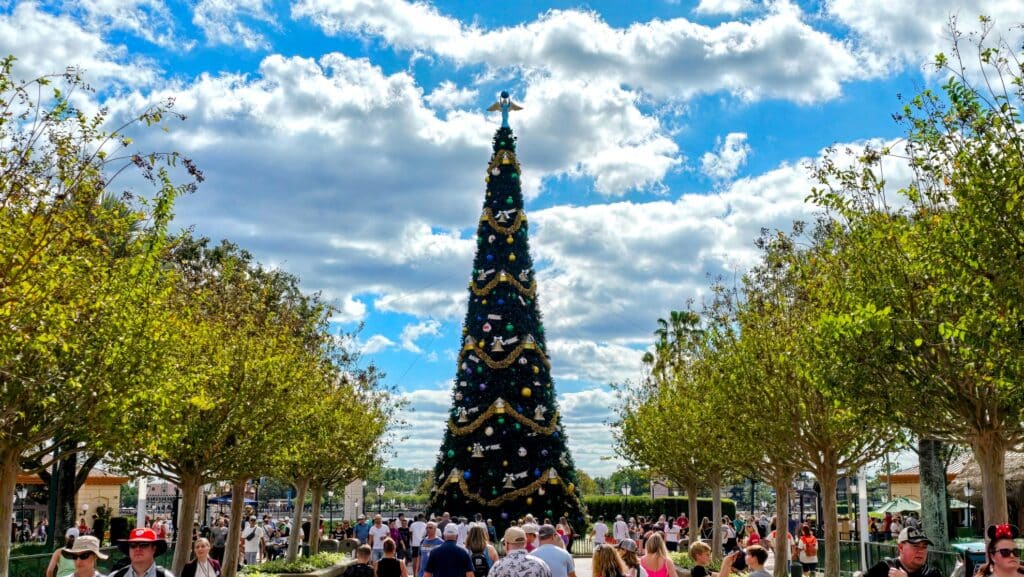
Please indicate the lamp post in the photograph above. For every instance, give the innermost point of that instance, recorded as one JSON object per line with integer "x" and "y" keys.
{"x": 853, "y": 491}
{"x": 764, "y": 507}
{"x": 380, "y": 498}
{"x": 626, "y": 490}
{"x": 330, "y": 512}
{"x": 358, "y": 510}
{"x": 968, "y": 491}
{"x": 22, "y": 493}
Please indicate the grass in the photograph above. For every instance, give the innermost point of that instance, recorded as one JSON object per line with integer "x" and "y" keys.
{"x": 301, "y": 565}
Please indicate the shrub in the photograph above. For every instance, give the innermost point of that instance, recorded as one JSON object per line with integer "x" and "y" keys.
{"x": 301, "y": 565}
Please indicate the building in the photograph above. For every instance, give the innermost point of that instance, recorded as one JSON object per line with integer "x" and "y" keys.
{"x": 101, "y": 489}
{"x": 907, "y": 482}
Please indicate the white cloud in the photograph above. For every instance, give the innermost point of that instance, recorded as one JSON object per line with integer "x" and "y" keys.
{"x": 777, "y": 55}
{"x": 376, "y": 344}
{"x": 585, "y": 360}
{"x": 898, "y": 34}
{"x": 730, "y": 7}
{"x": 447, "y": 95}
{"x": 151, "y": 20}
{"x": 414, "y": 332}
{"x": 727, "y": 160}
{"x": 233, "y": 22}
{"x": 48, "y": 44}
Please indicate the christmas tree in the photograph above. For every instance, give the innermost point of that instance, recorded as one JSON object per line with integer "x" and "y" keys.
{"x": 504, "y": 452}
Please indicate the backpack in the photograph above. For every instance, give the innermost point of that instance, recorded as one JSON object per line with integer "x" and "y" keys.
{"x": 481, "y": 563}
{"x": 811, "y": 547}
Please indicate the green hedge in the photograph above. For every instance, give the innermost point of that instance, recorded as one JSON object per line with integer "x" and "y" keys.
{"x": 610, "y": 506}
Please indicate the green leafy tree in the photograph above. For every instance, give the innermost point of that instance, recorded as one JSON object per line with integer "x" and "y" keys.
{"x": 79, "y": 324}
{"x": 939, "y": 297}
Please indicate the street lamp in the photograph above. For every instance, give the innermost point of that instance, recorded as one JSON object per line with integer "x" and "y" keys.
{"x": 330, "y": 513}
{"x": 968, "y": 491}
{"x": 853, "y": 491}
{"x": 22, "y": 493}
{"x": 358, "y": 510}
{"x": 380, "y": 498}
{"x": 764, "y": 506}
{"x": 626, "y": 490}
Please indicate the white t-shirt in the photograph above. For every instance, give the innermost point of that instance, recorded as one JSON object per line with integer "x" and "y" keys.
{"x": 600, "y": 530}
{"x": 620, "y": 530}
{"x": 379, "y": 534}
{"x": 416, "y": 532}
{"x": 463, "y": 531}
{"x": 253, "y": 545}
{"x": 672, "y": 534}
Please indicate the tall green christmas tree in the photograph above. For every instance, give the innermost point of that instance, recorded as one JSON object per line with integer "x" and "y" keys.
{"x": 504, "y": 453}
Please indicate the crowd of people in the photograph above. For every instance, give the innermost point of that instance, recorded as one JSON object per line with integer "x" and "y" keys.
{"x": 449, "y": 546}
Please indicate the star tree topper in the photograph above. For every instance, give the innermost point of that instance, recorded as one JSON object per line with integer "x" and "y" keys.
{"x": 504, "y": 104}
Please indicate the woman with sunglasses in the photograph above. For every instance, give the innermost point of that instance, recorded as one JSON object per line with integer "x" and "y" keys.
{"x": 1003, "y": 552}
{"x": 84, "y": 553}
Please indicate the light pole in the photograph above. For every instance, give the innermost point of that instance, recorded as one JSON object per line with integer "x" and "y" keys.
{"x": 968, "y": 491}
{"x": 380, "y": 498}
{"x": 764, "y": 507}
{"x": 330, "y": 512}
{"x": 626, "y": 490}
{"x": 22, "y": 493}
{"x": 358, "y": 510}
{"x": 853, "y": 491}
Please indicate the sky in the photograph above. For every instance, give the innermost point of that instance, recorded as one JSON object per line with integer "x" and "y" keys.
{"x": 346, "y": 141}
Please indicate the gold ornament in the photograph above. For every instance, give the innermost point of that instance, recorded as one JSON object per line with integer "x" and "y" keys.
{"x": 535, "y": 369}
{"x": 526, "y": 392}
{"x": 499, "y": 406}
{"x": 512, "y": 257}
{"x": 529, "y": 500}
{"x": 509, "y": 240}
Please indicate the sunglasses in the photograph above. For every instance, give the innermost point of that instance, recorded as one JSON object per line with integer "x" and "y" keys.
{"x": 139, "y": 545}
{"x": 78, "y": 556}
{"x": 1007, "y": 552}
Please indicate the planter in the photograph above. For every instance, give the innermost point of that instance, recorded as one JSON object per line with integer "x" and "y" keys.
{"x": 332, "y": 571}
{"x": 682, "y": 572}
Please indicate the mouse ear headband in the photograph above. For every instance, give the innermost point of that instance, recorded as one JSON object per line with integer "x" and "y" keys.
{"x": 1003, "y": 531}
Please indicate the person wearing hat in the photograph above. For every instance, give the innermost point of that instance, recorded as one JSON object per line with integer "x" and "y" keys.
{"x": 627, "y": 552}
{"x": 362, "y": 530}
{"x": 552, "y": 551}
{"x": 912, "y": 544}
{"x": 142, "y": 548}
{"x": 430, "y": 542}
{"x": 517, "y": 562}
{"x": 449, "y": 560}
{"x": 254, "y": 542}
{"x": 1003, "y": 552}
{"x": 84, "y": 552}
{"x": 531, "y": 536}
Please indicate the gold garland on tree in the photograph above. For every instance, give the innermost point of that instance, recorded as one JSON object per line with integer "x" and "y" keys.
{"x": 500, "y": 278}
{"x": 503, "y": 156}
{"x": 507, "y": 362}
{"x": 521, "y": 492}
{"x": 520, "y": 220}
{"x": 502, "y": 408}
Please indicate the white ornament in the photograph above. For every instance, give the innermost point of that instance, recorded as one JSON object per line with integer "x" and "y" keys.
{"x": 494, "y": 171}
{"x": 522, "y": 451}
{"x": 489, "y": 431}
{"x": 538, "y": 413}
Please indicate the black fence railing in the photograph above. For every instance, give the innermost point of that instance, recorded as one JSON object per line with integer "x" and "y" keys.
{"x": 849, "y": 557}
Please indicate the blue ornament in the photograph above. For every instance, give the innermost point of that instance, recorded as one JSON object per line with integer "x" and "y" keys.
{"x": 483, "y": 386}
{"x": 555, "y": 434}
{"x": 504, "y": 515}
{"x": 536, "y": 472}
{"x": 501, "y": 302}
{"x": 490, "y": 257}
{"x": 467, "y": 475}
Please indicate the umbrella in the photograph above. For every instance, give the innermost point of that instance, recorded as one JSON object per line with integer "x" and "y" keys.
{"x": 226, "y": 500}
{"x": 897, "y": 505}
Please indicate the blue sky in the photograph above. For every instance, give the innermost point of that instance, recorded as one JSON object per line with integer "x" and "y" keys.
{"x": 346, "y": 141}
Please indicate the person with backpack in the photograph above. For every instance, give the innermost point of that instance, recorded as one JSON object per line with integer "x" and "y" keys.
{"x": 142, "y": 549}
{"x": 481, "y": 553}
{"x": 552, "y": 552}
{"x": 807, "y": 550}
{"x": 449, "y": 560}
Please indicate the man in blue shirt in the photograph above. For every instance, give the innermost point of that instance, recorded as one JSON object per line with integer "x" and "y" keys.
{"x": 430, "y": 542}
{"x": 558, "y": 559}
{"x": 448, "y": 560}
{"x": 362, "y": 530}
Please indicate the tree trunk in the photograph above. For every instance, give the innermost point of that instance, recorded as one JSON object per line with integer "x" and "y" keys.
{"x": 781, "y": 544}
{"x": 828, "y": 480}
{"x": 9, "y": 466}
{"x": 190, "y": 484}
{"x": 716, "y": 514}
{"x": 933, "y": 493}
{"x": 66, "y": 492}
{"x": 314, "y": 522}
{"x": 691, "y": 504}
{"x": 301, "y": 485}
{"x": 990, "y": 453}
{"x": 230, "y": 565}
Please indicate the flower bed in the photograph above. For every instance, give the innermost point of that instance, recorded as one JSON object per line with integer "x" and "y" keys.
{"x": 321, "y": 565}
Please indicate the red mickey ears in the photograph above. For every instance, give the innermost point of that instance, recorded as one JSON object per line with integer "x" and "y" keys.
{"x": 1003, "y": 531}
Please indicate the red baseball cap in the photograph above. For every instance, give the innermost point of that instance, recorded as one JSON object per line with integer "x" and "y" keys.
{"x": 143, "y": 535}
